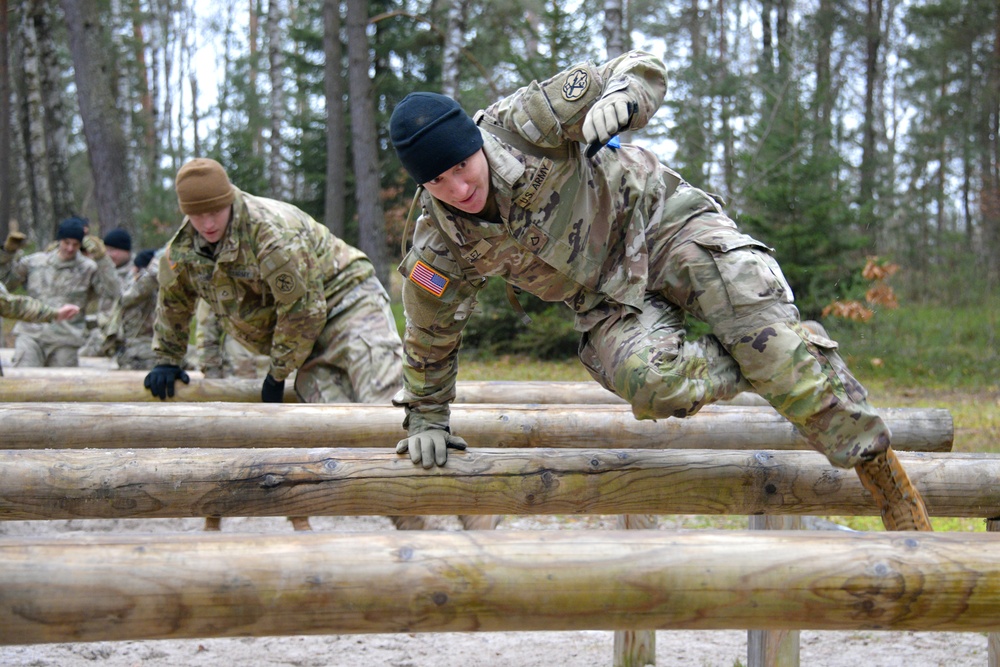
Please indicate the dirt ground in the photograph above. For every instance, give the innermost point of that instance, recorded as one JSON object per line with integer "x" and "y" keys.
{"x": 522, "y": 649}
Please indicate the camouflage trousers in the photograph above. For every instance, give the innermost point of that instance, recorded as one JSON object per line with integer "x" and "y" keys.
{"x": 34, "y": 353}
{"x": 136, "y": 354}
{"x": 358, "y": 357}
{"x": 730, "y": 281}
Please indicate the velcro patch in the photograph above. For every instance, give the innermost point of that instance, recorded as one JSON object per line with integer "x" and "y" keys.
{"x": 426, "y": 277}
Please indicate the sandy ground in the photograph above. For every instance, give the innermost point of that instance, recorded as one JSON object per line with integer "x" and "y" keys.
{"x": 522, "y": 649}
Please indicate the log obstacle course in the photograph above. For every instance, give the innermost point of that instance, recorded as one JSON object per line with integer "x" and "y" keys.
{"x": 187, "y": 586}
{"x": 183, "y": 482}
{"x": 177, "y": 464}
{"x": 68, "y": 425}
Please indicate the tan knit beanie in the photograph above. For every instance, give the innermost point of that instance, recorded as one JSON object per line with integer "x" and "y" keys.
{"x": 203, "y": 187}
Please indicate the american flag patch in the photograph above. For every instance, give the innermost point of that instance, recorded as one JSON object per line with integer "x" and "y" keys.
{"x": 428, "y": 278}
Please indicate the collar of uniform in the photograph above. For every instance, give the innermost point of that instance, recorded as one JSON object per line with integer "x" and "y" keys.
{"x": 229, "y": 244}
{"x": 505, "y": 169}
{"x": 55, "y": 260}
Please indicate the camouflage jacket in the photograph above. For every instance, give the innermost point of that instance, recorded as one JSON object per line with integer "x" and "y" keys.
{"x": 24, "y": 308}
{"x": 131, "y": 316}
{"x": 573, "y": 227}
{"x": 268, "y": 279}
{"x": 47, "y": 278}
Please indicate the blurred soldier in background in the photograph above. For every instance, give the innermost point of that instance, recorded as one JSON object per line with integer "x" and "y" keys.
{"x": 129, "y": 329}
{"x": 58, "y": 276}
{"x": 117, "y": 246}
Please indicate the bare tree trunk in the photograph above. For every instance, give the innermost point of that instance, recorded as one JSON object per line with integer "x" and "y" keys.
{"x": 258, "y": 136}
{"x": 276, "y": 66}
{"x": 614, "y": 28}
{"x": 371, "y": 219}
{"x": 5, "y": 128}
{"x": 336, "y": 146}
{"x": 102, "y": 127}
{"x": 33, "y": 128}
{"x": 56, "y": 115}
{"x": 454, "y": 40}
{"x": 873, "y": 40}
{"x": 145, "y": 98}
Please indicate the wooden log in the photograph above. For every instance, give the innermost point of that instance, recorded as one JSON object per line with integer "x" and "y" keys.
{"x": 105, "y": 588}
{"x": 114, "y": 386}
{"x": 152, "y": 483}
{"x": 132, "y": 425}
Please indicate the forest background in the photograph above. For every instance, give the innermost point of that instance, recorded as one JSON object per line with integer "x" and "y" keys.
{"x": 857, "y": 137}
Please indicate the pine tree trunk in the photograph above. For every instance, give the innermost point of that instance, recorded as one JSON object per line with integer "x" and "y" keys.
{"x": 102, "y": 126}
{"x": 276, "y": 65}
{"x": 371, "y": 220}
{"x": 336, "y": 146}
{"x": 33, "y": 127}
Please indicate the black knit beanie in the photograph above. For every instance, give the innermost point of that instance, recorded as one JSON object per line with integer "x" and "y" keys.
{"x": 143, "y": 258}
{"x": 431, "y": 134}
{"x": 118, "y": 238}
{"x": 70, "y": 228}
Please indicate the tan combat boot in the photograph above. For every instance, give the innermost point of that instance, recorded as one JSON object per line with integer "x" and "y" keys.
{"x": 899, "y": 501}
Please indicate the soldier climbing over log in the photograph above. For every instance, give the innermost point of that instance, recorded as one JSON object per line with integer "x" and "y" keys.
{"x": 538, "y": 190}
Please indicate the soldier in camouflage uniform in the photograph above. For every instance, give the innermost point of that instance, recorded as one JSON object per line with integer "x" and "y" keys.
{"x": 525, "y": 191}
{"x": 117, "y": 246}
{"x": 129, "y": 329}
{"x": 220, "y": 355}
{"x": 62, "y": 275}
{"x": 27, "y": 309}
{"x": 283, "y": 286}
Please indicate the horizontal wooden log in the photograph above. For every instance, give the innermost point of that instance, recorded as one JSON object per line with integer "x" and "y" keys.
{"x": 21, "y": 385}
{"x": 159, "y": 483}
{"x": 133, "y": 425}
{"x": 114, "y": 386}
{"x": 185, "y": 586}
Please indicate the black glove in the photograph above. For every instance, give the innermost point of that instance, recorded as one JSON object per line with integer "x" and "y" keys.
{"x": 160, "y": 380}
{"x": 273, "y": 391}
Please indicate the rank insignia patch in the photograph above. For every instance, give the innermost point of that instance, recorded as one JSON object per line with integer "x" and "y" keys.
{"x": 428, "y": 278}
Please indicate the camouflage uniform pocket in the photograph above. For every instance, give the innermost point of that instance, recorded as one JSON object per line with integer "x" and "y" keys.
{"x": 750, "y": 275}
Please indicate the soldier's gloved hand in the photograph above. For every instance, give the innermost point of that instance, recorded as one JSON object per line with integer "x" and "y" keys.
{"x": 430, "y": 446}
{"x": 14, "y": 242}
{"x": 272, "y": 391}
{"x": 160, "y": 380}
{"x": 93, "y": 246}
{"x": 609, "y": 116}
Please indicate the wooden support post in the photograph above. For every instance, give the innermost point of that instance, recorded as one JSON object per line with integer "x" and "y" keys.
{"x": 773, "y": 648}
{"x": 110, "y": 588}
{"x": 162, "y": 483}
{"x": 993, "y": 639}
{"x": 632, "y": 648}
{"x": 133, "y": 425}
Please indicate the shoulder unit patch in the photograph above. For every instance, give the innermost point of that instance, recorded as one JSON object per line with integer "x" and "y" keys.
{"x": 576, "y": 84}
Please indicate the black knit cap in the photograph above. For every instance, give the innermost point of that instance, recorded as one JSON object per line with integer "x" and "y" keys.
{"x": 142, "y": 259}
{"x": 431, "y": 134}
{"x": 71, "y": 228}
{"x": 118, "y": 238}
